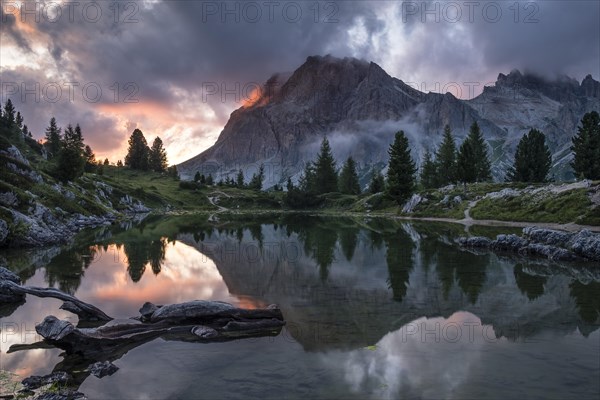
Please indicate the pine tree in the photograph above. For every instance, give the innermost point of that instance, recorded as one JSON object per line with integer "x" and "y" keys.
{"x": 377, "y": 184}
{"x": 53, "y": 138}
{"x": 466, "y": 167}
{"x": 106, "y": 162}
{"x": 428, "y": 172}
{"x": 480, "y": 154}
{"x": 90, "y": 159}
{"x": 26, "y": 131}
{"x": 532, "y": 159}
{"x": 9, "y": 114}
{"x": 325, "y": 174}
{"x": 71, "y": 158}
{"x": 119, "y": 163}
{"x": 19, "y": 120}
{"x": 401, "y": 170}
{"x": 289, "y": 184}
{"x": 157, "y": 158}
{"x": 586, "y": 147}
{"x": 197, "y": 176}
{"x": 349, "y": 178}
{"x": 446, "y": 159}
{"x": 257, "y": 179}
{"x": 308, "y": 179}
{"x": 137, "y": 155}
{"x": 240, "y": 179}
{"x": 209, "y": 180}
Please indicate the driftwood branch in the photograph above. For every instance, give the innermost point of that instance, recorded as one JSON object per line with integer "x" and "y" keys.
{"x": 84, "y": 310}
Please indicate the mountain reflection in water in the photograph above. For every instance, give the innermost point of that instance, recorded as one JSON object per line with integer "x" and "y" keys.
{"x": 373, "y": 308}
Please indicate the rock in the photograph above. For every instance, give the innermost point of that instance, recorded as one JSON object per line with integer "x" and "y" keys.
{"x": 548, "y": 251}
{"x": 549, "y": 243}
{"x": 204, "y": 332}
{"x": 586, "y": 244}
{"x": 102, "y": 369}
{"x": 53, "y": 328}
{"x": 457, "y": 200}
{"x": 411, "y": 204}
{"x": 475, "y": 241}
{"x": 35, "y": 382}
{"x": 547, "y": 236}
{"x": 509, "y": 192}
{"x": 509, "y": 243}
{"x": 62, "y": 394}
{"x": 9, "y": 199}
{"x": 191, "y": 310}
{"x": 3, "y": 231}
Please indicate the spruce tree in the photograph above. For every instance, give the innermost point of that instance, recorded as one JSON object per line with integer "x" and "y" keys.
{"x": 9, "y": 114}
{"x": 349, "y": 178}
{"x": 19, "y": 120}
{"x": 71, "y": 158}
{"x": 26, "y": 131}
{"x": 586, "y": 147}
{"x": 53, "y": 138}
{"x": 428, "y": 172}
{"x": 466, "y": 166}
{"x": 401, "y": 170}
{"x": 197, "y": 176}
{"x": 308, "y": 179}
{"x": 209, "y": 180}
{"x": 90, "y": 159}
{"x": 532, "y": 159}
{"x": 157, "y": 158}
{"x": 257, "y": 179}
{"x": 480, "y": 154}
{"x": 137, "y": 154}
{"x": 377, "y": 184}
{"x": 240, "y": 179}
{"x": 325, "y": 174}
{"x": 446, "y": 159}
{"x": 106, "y": 162}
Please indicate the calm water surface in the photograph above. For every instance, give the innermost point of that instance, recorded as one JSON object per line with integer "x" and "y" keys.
{"x": 374, "y": 309}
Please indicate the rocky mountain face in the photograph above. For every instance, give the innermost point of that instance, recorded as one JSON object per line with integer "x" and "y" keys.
{"x": 360, "y": 107}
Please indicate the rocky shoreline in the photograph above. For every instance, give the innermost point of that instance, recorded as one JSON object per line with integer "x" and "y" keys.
{"x": 40, "y": 212}
{"x": 546, "y": 243}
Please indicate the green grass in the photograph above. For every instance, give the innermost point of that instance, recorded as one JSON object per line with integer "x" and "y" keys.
{"x": 155, "y": 190}
{"x": 566, "y": 207}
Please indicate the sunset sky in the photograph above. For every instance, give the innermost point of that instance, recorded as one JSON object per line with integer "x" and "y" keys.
{"x": 177, "y": 69}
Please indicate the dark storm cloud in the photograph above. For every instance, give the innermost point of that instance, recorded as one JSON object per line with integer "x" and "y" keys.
{"x": 173, "y": 50}
{"x": 546, "y": 37}
{"x": 560, "y": 37}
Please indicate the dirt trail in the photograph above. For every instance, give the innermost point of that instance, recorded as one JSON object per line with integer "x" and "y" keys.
{"x": 214, "y": 200}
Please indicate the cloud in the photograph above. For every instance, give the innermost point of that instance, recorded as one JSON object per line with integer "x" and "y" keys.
{"x": 169, "y": 56}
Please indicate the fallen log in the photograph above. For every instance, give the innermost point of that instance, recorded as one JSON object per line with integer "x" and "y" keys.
{"x": 196, "y": 320}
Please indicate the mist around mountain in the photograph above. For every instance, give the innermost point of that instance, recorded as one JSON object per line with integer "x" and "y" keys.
{"x": 359, "y": 107}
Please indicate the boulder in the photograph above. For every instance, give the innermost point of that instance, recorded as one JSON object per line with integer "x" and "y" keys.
{"x": 475, "y": 241}
{"x": 101, "y": 369}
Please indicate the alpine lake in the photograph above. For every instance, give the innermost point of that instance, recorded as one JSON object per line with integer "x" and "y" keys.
{"x": 374, "y": 309}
